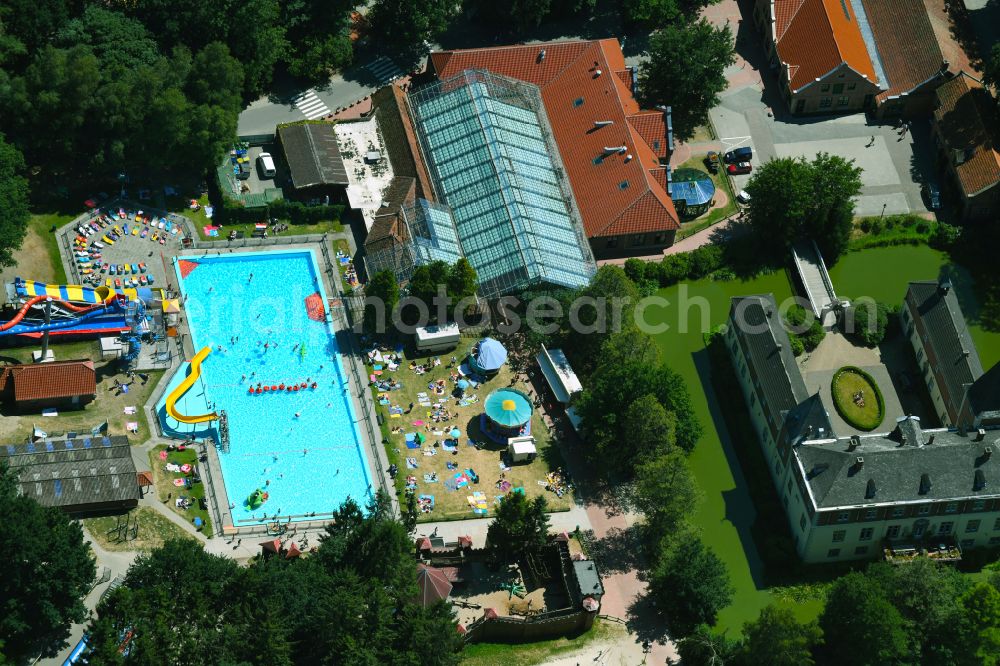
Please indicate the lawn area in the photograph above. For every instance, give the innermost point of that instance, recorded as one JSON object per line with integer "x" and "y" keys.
{"x": 106, "y": 407}
{"x": 40, "y": 225}
{"x": 343, "y": 249}
{"x": 169, "y": 493}
{"x": 528, "y": 654}
{"x": 452, "y": 505}
{"x": 201, "y": 220}
{"x": 857, "y": 398}
{"x": 153, "y": 531}
{"x": 714, "y": 215}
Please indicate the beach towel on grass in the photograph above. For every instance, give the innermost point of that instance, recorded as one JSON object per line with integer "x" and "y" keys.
{"x": 411, "y": 463}
{"x": 412, "y": 444}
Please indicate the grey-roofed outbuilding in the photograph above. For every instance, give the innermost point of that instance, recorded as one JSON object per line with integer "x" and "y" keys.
{"x": 908, "y": 464}
{"x": 313, "y": 155}
{"x": 948, "y": 335}
{"x": 82, "y": 475}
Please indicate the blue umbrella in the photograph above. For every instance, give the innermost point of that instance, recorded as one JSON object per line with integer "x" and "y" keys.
{"x": 456, "y": 433}
{"x": 491, "y": 355}
{"x": 197, "y": 521}
{"x": 463, "y": 384}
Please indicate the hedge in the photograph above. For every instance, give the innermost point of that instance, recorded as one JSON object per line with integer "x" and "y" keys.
{"x": 295, "y": 212}
{"x": 842, "y": 409}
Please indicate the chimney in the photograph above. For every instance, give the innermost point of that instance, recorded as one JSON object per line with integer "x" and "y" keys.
{"x": 944, "y": 286}
{"x": 987, "y": 452}
{"x": 930, "y": 439}
{"x": 855, "y": 443}
{"x": 944, "y": 66}
{"x": 541, "y": 55}
{"x": 628, "y": 158}
{"x": 980, "y": 435}
{"x": 597, "y": 73}
{"x": 859, "y": 461}
{"x": 925, "y": 483}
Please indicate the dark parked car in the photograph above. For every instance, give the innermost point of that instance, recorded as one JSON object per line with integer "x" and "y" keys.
{"x": 739, "y": 168}
{"x": 933, "y": 196}
{"x": 744, "y": 154}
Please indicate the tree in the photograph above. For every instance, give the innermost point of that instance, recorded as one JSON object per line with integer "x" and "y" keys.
{"x": 776, "y": 638}
{"x": 350, "y": 602}
{"x": 689, "y": 583}
{"x": 48, "y": 570}
{"x": 462, "y": 280}
{"x": 980, "y": 627}
{"x": 119, "y": 43}
{"x": 867, "y": 321}
{"x": 705, "y": 647}
{"x": 927, "y": 597}
{"x": 405, "y": 26}
{"x": 649, "y": 429}
{"x": 608, "y": 392}
{"x": 666, "y": 492}
{"x": 991, "y": 68}
{"x": 792, "y": 200}
{"x": 382, "y": 286}
{"x": 13, "y": 202}
{"x": 521, "y": 526}
{"x": 686, "y": 70}
{"x": 319, "y": 36}
{"x": 516, "y": 16}
{"x": 861, "y": 626}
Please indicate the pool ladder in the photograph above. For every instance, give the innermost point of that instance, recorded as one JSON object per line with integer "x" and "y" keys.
{"x": 223, "y": 431}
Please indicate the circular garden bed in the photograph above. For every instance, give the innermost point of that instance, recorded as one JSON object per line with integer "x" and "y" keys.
{"x": 857, "y": 398}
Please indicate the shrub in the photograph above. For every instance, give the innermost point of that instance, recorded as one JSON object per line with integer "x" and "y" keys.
{"x": 635, "y": 269}
{"x": 867, "y": 322}
{"x": 923, "y": 228}
{"x": 866, "y": 225}
{"x": 945, "y": 236}
{"x": 797, "y": 346}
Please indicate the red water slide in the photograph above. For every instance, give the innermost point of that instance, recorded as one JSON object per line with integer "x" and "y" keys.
{"x": 32, "y": 301}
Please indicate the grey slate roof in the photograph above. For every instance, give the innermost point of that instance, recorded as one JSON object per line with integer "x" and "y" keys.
{"x": 758, "y": 324}
{"x": 74, "y": 472}
{"x": 958, "y": 361}
{"x": 808, "y": 420}
{"x": 894, "y": 464}
{"x": 313, "y": 155}
{"x": 984, "y": 396}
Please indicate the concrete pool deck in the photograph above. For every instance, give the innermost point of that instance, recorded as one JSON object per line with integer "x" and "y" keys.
{"x": 361, "y": 399}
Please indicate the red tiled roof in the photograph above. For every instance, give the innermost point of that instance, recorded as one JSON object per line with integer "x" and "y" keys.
{"x": 616, "y": 194}
{"x": 61, "y": 379}
{"x": 814, "y": 37}
{"x": 652, "y": 127}
{"x": 966, "y": 118}
{"x": 906, "y": 43}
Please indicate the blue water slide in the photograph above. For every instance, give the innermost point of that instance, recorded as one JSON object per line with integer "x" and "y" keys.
{"x": 21, "y": 329}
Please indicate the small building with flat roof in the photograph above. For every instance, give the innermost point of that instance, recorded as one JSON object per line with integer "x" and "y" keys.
{"x": 81, "y": 475}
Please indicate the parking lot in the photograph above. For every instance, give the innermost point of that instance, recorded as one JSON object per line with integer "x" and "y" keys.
{"x": 751, "y": 113}
{"x": 257, "y": 183}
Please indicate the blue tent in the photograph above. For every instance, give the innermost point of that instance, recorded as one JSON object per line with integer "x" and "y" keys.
{"x": 490, "y": 355}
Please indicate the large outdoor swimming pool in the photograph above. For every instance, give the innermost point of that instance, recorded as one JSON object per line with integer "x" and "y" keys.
{"x": 303, "y": 447}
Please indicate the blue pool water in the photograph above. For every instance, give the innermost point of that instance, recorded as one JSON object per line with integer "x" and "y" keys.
{"x": 313, "y": 461}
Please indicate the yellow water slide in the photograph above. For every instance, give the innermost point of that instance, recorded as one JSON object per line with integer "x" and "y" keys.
{"x": 193, "y": 373}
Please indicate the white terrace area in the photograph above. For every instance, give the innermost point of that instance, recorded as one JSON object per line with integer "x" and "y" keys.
{"x": 369, "y": 171}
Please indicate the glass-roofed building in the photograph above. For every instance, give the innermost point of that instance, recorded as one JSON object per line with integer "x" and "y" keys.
{"x": 419, "y": 232}
{"x": 489, "y": 151}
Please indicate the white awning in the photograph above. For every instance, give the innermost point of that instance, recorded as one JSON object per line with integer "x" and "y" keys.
{"x": 574, "y": 418}
{"x": 522, "y": 446}
{"x": 559, "y": 374}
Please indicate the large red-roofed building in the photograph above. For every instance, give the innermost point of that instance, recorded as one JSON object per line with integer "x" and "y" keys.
{"x": 614, "y": 153}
